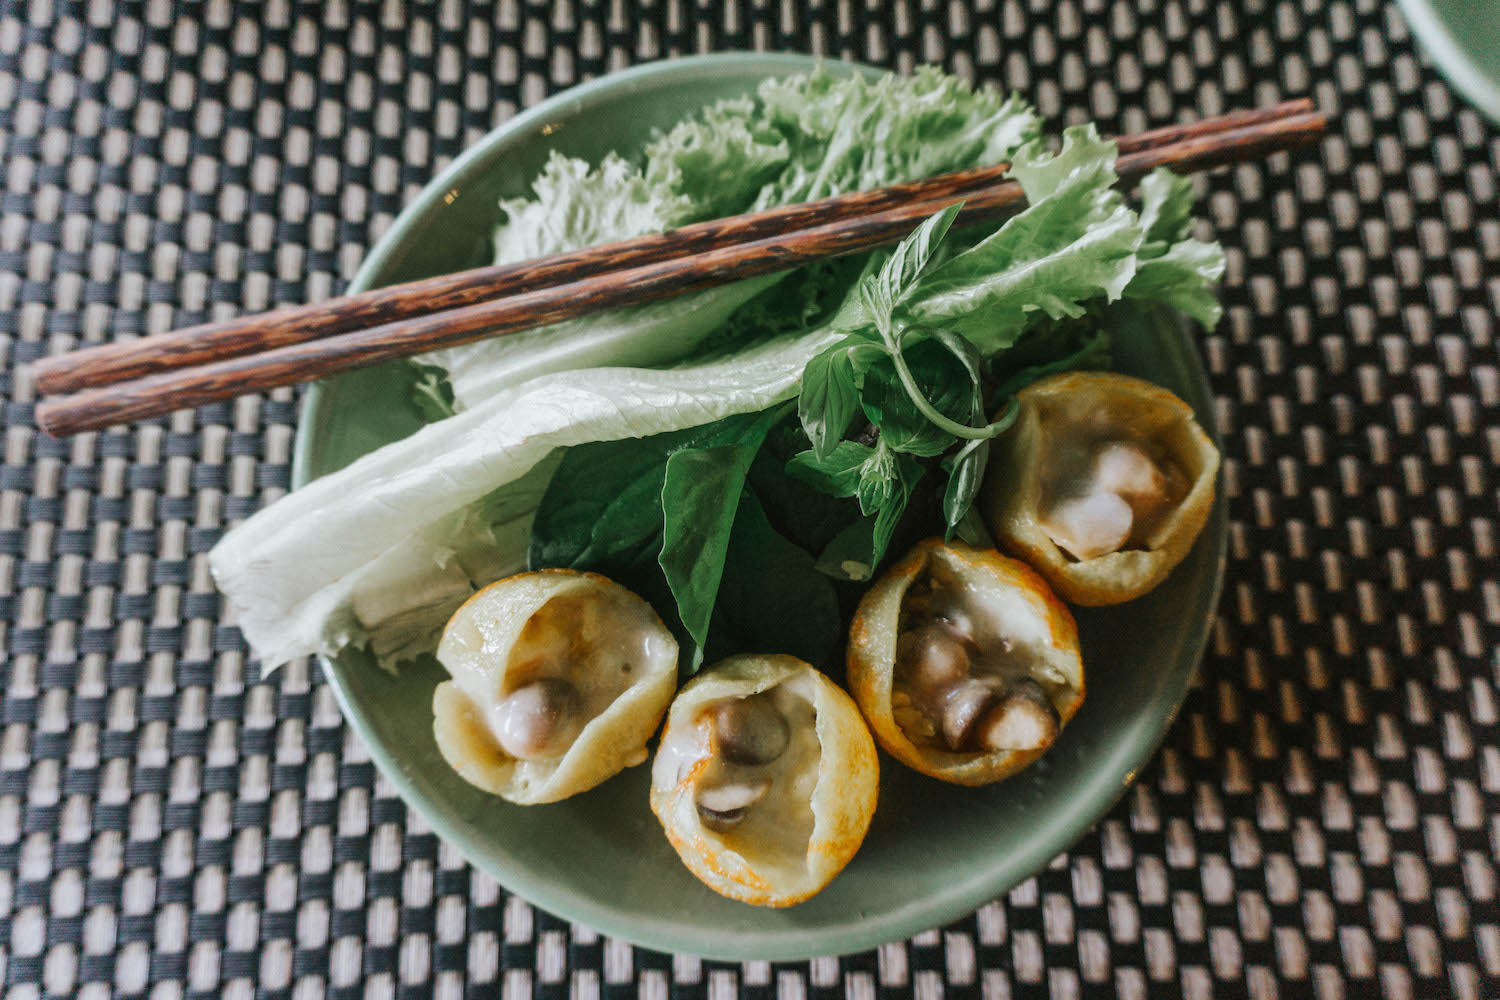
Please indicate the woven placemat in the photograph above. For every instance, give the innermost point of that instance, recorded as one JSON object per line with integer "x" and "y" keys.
{"x": 1324, "y": 817}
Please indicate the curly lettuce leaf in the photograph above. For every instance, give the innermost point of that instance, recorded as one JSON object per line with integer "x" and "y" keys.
{"x": 1076, "y": 240}
{"x": 1176, "y": 269}
{"x": 797, "y": 138}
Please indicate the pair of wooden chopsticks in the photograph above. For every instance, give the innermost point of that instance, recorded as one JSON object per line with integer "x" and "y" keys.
{"x": 131, "y": 380}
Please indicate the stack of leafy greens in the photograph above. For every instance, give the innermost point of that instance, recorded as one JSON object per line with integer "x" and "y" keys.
{"x": 809, "y": 422}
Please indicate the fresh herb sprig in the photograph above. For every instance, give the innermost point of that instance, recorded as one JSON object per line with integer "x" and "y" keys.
{"x": 920, "y": 386}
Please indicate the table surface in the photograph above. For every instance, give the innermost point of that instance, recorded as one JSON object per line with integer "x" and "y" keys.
{"x": 1324, "y": 817}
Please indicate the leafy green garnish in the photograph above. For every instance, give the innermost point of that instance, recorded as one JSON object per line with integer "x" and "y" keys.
{"x": 940, "y": 380}
{"x": 426, "y": 520}
{"x": 432, "y": 393}
{"x": 934, "y": 340}
{"x": 903, "y": 478}
{"x": 837, "y": 475}
{"x": 899, "y": 274}
{"x": 829, "y": 399}
{"x": 850, "y": 555}
{"x": 699, "y": 499}
{"x": 661, "y": 514}
{"x": 965, "y": 469}
{"x": 772, "y": 598}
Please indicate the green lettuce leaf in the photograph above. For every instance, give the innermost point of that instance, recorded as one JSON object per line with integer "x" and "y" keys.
{"x": 1185, "y": 277}
{"x": 1166, "y": 210}
{"x": 1175, "y": 269}
{"x": 797, "y": 138}
{"x": 297, "y": 574}
{"x": 1075, "y": 241}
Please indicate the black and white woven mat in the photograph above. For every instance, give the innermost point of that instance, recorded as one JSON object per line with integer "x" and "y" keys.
{"x": 1324, "y": 818}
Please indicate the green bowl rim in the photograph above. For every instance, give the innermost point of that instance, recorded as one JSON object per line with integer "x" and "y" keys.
{"x": 1467, "y": 76}
{"x": 790, "y": 943}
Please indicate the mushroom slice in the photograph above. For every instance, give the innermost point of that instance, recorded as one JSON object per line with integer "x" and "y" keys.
{"x": 722, "y": 806}
{"x": 1025, "y": 719}
{"x": 1102, "y": 485}
{"x": 558, "y": 680}
{"x": 749, "y": 730}
{"x": 974, "y": 718}
{"x": 766, "y": 779}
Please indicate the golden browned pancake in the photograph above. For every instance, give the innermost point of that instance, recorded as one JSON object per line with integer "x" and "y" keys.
{"x": 766, "y": 779}
{"x": 559, "y": 679}
{"x": 1102, "y": 485}
{"x": 964, "y": 663}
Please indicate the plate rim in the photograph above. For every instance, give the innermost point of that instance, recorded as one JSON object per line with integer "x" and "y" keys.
{"x": 1472, "y": 81}
{"x": 792, "y": 943}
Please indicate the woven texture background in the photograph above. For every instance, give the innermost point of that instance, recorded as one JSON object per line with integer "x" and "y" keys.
{"x": 1325, "y": 815}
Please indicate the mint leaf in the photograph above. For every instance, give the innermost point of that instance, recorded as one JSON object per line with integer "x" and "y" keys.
{"x": 838, "y": 474}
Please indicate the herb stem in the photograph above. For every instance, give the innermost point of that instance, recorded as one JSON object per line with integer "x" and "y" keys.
{"x": 933, "y": 414}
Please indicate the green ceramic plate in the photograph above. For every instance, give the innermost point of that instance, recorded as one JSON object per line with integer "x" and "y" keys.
{"x": 935, "y": 852}
{"x": 1463, "y": 38}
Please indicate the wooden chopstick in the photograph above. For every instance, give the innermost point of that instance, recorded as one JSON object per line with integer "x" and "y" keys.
{"x": 212, "y": 342}
{"x": 1196, "y": 149}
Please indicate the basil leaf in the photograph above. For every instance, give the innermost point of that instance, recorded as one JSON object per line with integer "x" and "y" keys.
{"x": 830, "y": 390}
{"x": 965, "y": 472}
{"x": 877, "y": 479}
{"x": 886, "y": 481}
{"x": 829, "y": 398}
{"x": 838, "y": 475}
{"x": 878, "y": 303}
{"x": 699, "y": 497}
{"x": 773, "y": 599}
{"x": 879, "y": 293}
{"x": 603, "y": 503}
{"x": 908, "y": 471}
{"x": 906, "y": 263}
{"x": 805, "y": 515}
{"x": 960, "y": 347}
{"x": 971, "y": 530}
